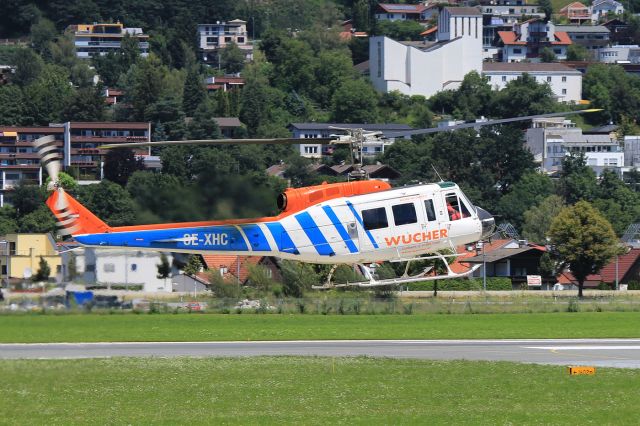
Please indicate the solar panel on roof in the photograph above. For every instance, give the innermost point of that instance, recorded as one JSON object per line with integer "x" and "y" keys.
{"x": 401, "y": 7}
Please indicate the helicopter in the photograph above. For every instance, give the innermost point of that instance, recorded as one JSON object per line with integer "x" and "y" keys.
{"x": 359, "y": 222}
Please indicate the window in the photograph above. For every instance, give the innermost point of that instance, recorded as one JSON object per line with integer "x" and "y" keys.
{"x": 90, "y": 268}
{"x": 228, "y": 40}
{"x": 109, "y": 267}
{"x": 504, "y": 78}
{"x": 310, "y": 149}
{"x": 564, "y": 78}
{"x": 240, "y": 40}
{"x": 404, "y": 214}
{"x": 517, "y": 50}
{"x": 379, "y": 59}
{"x": 134, "y": 267}
{"x": 431, "y": 212}
{"x": 564, "y": 91}
{"x": 557, "y": 51}
{"x": 374, "y": 218}
{"x": 455, "y": 208}
{"x": 549, "y": 79}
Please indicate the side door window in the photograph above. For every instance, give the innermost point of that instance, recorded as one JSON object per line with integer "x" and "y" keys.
{"x": 404, "y": 214}
{"x": 375, "y": 219}
{"x": 430, "y": 210}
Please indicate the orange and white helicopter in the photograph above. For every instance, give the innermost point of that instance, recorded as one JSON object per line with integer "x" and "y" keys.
{"x": 357, "y": 222}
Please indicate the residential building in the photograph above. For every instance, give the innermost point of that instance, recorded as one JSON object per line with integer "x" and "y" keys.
{"x": 5, "y": 73}
{"x": 373, "y": 171}
{"x": 84, "y": 154}
{"x": 620, "y": 271}
{"x": 312, "y": 131}
{"x": 113, "y": 96}
{"x": 515, "y": 259}
{"x": 528, "y": 38}
{"x": 20, "y": 255}
{"x": 618, "y": 31}
{"x": 576, "y": 12}
{"x": 619, "y": 54}
{"x": 79, "y": 145}
{"x": 228, "y": 125}
{"x": 590, "y": 36}
{"x": 126, "y": 269}
{"x": 424, "y": 68}
{"x": 565, "y": 82}
{"x": 99, "y": 39}
{"x": 601, "y": 9}
{"x": 349, "y": 31}
{"x": 237, "y": 269}
{"x": 226, "y": 83}
{"x": 404, "y": 12}
{"x": 19, "y": 161}
{"x": 551, "y": 139}
{"x": 632, "y": 151}
{"x": 212, "y": 38}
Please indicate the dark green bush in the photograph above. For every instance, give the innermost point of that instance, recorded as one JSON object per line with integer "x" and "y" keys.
{"x": 462, "y": 284}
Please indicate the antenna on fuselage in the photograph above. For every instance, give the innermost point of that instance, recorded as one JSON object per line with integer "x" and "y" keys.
{"x": 437, "y": 174}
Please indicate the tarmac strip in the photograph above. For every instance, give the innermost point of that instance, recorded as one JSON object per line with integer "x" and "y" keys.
{"x": 623, "y": 353}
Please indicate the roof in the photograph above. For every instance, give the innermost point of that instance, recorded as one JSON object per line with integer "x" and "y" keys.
{"x": 608, "y": 273}
{"x": 510, "y": 38}
{"x": 233, "y": 264}
{"x": 364, "y": 126}
{"x": 429, "y": 31}
{"x": 228, "y": 121}
{"x": 108, "y": 125}
{"x": 501, "y": 253}
{"x": 527, "y": 67}
{"x": 402, "y": 8}
{"x": 582, "y": 28}
{"x": 574, "y": 5}
{"x": 463, "y": 11}
{"x": 362, "y": 67}
{"x": 562, "y": 38}
{"x": 32, "y": 129}
{"x": 607, "y": 128}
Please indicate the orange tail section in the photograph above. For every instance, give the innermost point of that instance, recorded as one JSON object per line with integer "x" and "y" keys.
{"x": 72, "y": 217}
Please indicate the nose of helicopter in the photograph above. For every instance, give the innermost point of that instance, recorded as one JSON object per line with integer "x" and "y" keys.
{"x": 487, "y": 221}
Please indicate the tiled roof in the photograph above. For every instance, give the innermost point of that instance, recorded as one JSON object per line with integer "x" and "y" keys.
{"x": 216, "y": 261}
{"x": 527, "y": 67}
{"x": 463, "y": 11}
{"x": 574, "y": 5}
{"x": 429, "y": 31}
{"x": 402, "y": 8}
{"x": 561, "y": 38}
{"x": 608, "y": 273}
{"x": 510, "y": 38}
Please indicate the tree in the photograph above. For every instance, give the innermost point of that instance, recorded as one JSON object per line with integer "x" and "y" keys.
{"x": 583, "y": 240}
{"x": 193, "y": 266}
{"x": 109, "y": 201}
{"x": 120, "y": 164}
{"x": 164, "y": 268}
{"x": 72, "y": 268}
{"x": 355, "y": 101}
{"x": 44, "y": 270}
{"x": 42, "y": 33}
{"x": 86, "y": 104}
{"x": 547, "y": 7}
{"x": 297, "y": 277}
{"x": 232, "y": 58}
{"x": 527, "y": 192}
{"x": 577, "y": 180}
{"x": 203, "y": 125}
{"x": 29, "y": 66}
{"x": 399, "y": 30}
{"x": 577, "y": 52}
{"x": 547, "y": 55}
{"x": 537, "y": 220}
{"x": 524, "y": 96}
{"x": 38, "y": 221}
{"x": 194, "y": 91}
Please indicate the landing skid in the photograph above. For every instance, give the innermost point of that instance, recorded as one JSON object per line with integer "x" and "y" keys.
{"x": 404, "y": 279}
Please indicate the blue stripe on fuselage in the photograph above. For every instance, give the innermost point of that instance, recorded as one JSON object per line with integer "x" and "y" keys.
{"x": 215, "y": 238}
{"x": 256, "y": 237}
{"x": 359, "y": 219}
{"x": 317, "y": 239}
{"x": 282, "y": 238}
{"x": 338, "y": 225}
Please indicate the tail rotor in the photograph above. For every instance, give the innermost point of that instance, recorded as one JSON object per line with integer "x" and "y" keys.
{"x": 51, "y": 161}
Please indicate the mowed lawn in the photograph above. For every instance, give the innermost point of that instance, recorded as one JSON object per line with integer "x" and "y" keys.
{"x": 288, "y": 390}
{"x": 220, "y": 327}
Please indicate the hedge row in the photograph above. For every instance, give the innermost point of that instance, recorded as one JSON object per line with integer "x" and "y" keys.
{"x": 461, "y": 284}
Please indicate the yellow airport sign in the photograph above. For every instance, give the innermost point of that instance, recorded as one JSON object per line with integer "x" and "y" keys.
{"x": 576, "y": 371}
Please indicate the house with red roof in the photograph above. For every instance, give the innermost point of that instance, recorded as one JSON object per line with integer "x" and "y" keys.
{"x": 510, "y": 258}
{"x": 576, "y": 12}
{"x": 238, "y": 268}
{"x": 528, "y": 38}
{"x": 622, "y": 269}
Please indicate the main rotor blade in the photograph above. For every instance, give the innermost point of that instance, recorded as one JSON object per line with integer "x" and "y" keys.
{"x": 487, "y": 123}
{"x": 285, "y": 141}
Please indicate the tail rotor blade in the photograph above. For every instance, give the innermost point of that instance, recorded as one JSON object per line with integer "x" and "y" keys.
{"x": 49, "y": 156}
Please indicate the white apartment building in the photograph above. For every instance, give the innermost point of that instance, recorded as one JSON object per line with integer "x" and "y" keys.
{"x": 565, "y": 82}
{"x": 601, "y": 8}
{"x": 620, "y": 54}
{"x": 214, "y": 37}
{"x": 551, "y": 139}
{"x": 120, "y": 267}
{"x": 99, "y": 39}
{"x": 425, "y": 68}
{"x": 310, "y": 131}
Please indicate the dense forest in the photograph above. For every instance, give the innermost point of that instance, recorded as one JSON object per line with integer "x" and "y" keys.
{"x": 302, "y": 71}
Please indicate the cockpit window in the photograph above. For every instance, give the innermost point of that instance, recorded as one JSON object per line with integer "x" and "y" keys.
{"x": 455, "y": 208}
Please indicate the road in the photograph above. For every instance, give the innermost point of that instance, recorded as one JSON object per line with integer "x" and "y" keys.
{"x": 597, "y": 352}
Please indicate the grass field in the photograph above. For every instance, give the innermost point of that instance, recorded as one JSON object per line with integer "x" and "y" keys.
{"x": 310, "y": 391}
{"x": 212, "y": 327}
